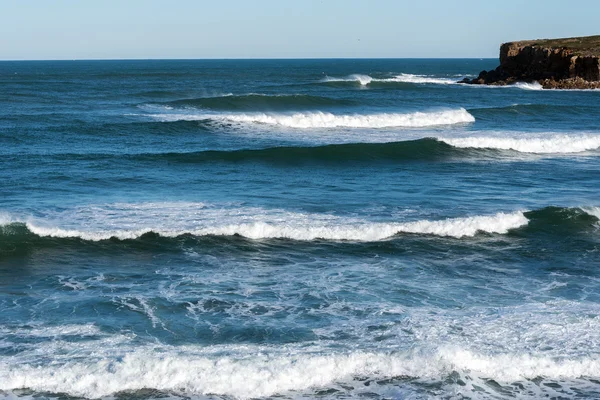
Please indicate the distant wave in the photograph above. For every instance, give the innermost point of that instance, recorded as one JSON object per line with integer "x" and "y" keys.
{"x": 517, "y": 85}
{"x": 405, "y": 78}
{"x": 255, "y": 101}
{"x": 344, "y": 152}
{"x": 541, "y": 109}
{"x": 538, "y": 86}
{"x": 365, "y": 80}
{"x": 412, "y": 78}
{"x": 319, "y": 119}
{"x": 528, "y": 86}
{"x": 546, "y": 145}
{"x": 359, "y": 78}
{"x": 421, "y": 149}
{"x": 426, "y": 149}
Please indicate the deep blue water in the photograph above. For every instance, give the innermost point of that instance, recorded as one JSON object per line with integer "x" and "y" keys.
{"x": 296, "y": 229}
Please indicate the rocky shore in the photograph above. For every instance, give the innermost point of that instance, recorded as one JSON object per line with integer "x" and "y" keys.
{"x": 571, "y": 63}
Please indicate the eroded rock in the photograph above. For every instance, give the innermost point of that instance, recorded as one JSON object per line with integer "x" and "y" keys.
{"x": 572, "y": 63}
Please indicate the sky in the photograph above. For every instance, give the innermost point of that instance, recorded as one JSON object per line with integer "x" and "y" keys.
{"x": 134, "y": 29}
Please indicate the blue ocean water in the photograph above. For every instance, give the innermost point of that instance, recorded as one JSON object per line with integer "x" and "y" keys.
{"x": 295, "y": 229}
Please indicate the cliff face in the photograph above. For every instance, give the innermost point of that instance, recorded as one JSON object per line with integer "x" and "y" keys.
{"x": 558, "y": 63}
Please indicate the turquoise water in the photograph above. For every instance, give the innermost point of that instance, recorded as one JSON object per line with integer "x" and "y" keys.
{"x": 295, "y": 229}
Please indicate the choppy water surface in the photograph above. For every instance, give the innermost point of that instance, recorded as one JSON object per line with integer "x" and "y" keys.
{"x": 295, "y": 229}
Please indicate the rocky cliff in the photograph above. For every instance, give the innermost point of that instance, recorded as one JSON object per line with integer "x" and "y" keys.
{"x": 572, "y": 63}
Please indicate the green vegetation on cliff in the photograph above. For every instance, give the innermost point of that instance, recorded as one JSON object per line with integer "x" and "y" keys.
{"x": 569, "y": 63}
{"x": 585, "y": 46}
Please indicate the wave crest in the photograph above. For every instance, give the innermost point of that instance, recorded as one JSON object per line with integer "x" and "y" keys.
{"x": 552, "y": 144}
{"x": 312, "y": 120}
{"x": 362, "y": 79}
{"x": 412, "y": 78}
{"x": 266, "y": 373}
{"x": 365, "y": 80}
{"x": 528, "y": 86}
{"x": 131, "y": 221}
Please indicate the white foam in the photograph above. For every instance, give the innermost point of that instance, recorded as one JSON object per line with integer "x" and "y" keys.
{"x": 6, "y": 218}
{"x": 412, "y": 78}
{"x": 365, "y": 231}
{"x": 142, "y": 307}
{"x": 510, "y": 367}
{"x": 595, "y": 211}
{"x": 253, "y": 371}
{"x": 527, "y": 86}
{"x": 550, "y": 144}
{"x": 364, "y": 80}
{"x": 517, "y": 85}
{"x": 311, "y": 120}
{"x": 53, "y": 331}
{"x": 72, "y": 283}
{"x": 508, "y": 344}
{"x": 129, "y": 221}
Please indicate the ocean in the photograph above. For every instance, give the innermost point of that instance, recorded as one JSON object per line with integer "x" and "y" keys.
{"x": 296, "y": 229}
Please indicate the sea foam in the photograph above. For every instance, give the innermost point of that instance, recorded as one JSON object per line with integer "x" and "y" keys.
{"x": 130, "y": 221}
{"x": 595, "y": 211}
{"x": 528, "y": 86}
{"x": 429, "y": 343}
{"x": 260, "y": 373}
{"x": 551, "y": 144}
{"x": 366, "y": 80}
{"x": 312, "y": 120}
{"x": 412, "y": 78}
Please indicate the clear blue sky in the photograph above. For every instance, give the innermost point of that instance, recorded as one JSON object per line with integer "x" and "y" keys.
{"x": 90, "y": 29}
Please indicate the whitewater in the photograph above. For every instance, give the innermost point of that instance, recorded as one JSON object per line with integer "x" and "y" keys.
{"x": 322, "y": 119}
{"x": 285, "y": 229}
{"x": 130, "y": 221}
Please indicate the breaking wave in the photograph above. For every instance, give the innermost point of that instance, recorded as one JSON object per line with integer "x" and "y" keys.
{"x": 164, "y": 224}
{"x": 131, "y": 221}
{"x": 528, "y": 86}
{"x": 379, "y": 147}
{"x": 375, "y": 148}
{"x": 551, "y": 144}
{"x": 412, "y": 78}
{"x": 311, "y": 120}
{"x": 516, "y": 85}
{"x": 189, "y": 370}
{"x": 472, "y": 350}
{"x": 365, "y": 80}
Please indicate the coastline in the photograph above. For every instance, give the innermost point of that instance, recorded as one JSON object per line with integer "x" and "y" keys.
{"x": 570, "y": 63}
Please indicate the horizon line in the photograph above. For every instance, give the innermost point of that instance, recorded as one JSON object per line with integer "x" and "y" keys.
{"x": 244, "y": 59}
